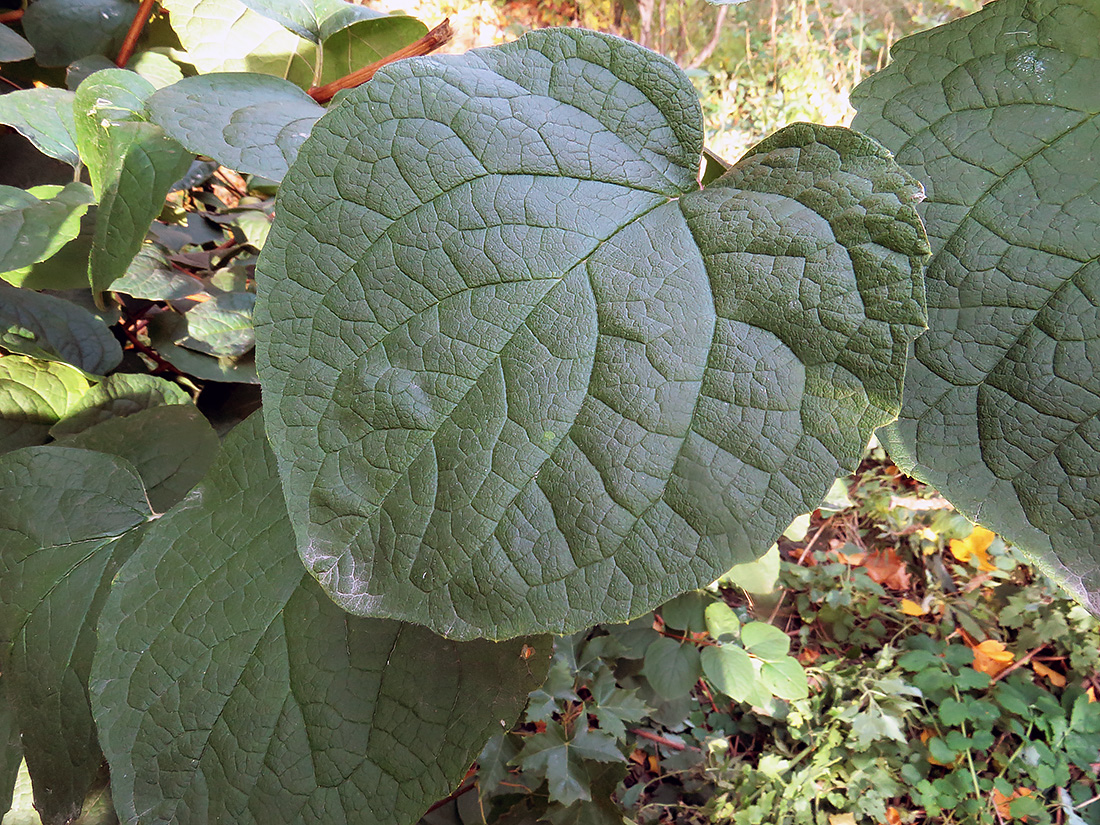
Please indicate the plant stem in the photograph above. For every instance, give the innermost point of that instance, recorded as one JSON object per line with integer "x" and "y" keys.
{"x": 145, "y": 10}
{"x": 427, "y": 44}
{"x": 1023, "y": 660}
{"x": 11, "y": 16}
{"x": 660, "y": 740}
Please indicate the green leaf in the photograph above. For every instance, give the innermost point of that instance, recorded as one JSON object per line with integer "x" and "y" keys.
{"x": 757, "y": 577}
{"x": 222, "y": 326}
{"x": 765, "y": 641}
{"x": 253, "y": 123}
{"x": 64, "y": 30}
{"x": 312, "y": 19}
{"x": 45, "y": 118}
{"x": 563, "y": 760}
{"x": 167, "y": 329}
{"x": 33, "y": 229}
{"x": 65, "y": 511}
{"x": 784, "y": 678}
{"x": 156, "y": 67}
{"x": 117, "y": 396}
{"x": 13, "y": 48}
{"x": 35, "y": 395}
{"x": 226, "y": 36}
{"x": 65, "y": 269}
{"x": 171, "y": 447}
{"x": 672, "y": 667}
{"x": 722, "y": 622}
{"x": 151, "y": 277}
{"x": 269, "y": 704}
{"x": 55, "y": 330}
{"x": 1001, "y": 398}
{"x": 11, "y": 751}
{"x": 105, "y": 100}
{"x": 490, "y": 386}
{"x": 731, "y": 670}
{"x": 613, "y": 706}
{"x": 687, "y": 612}
{"x": 366, "y": 41}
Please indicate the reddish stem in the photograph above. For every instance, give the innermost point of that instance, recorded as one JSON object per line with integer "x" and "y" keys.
{"x": 660, "y": 740}
{"x": 144, "y": 12}
{"x": 149, "y": 352}
{"x": 425, "y": 45}
{"x": 11, "y": 16}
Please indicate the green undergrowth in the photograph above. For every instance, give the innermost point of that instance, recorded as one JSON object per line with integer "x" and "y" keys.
{"x": 928, "y": 678}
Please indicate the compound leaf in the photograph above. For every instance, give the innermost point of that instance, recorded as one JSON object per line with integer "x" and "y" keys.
{"x": 228, "y": 687}
{"x": 45, "y": 118}
{"x": 56, "y": 330}
{"x": 35, "y": 395}
{"x": 999, "y": 115}
{"x": 65, "y": 510}
{"x": 250, "y": 122}
{"x": 523, "y": 375}
{"x": 32, "y": 228}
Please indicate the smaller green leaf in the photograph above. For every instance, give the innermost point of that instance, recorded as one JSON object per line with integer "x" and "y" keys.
{"x": 613, "y": 706}
{"x": 785, "y": 678}
{"x": 156, "y": 67}
{"x": 117, "y": 396}
{"x": 765, "y": 641}
{"x": 731, "y": 670}
{"x": 953, "y": 712}
{"x": 687, "y": 612}
{"x": 45, "y": 118}
{"x": 55, "y": 330}
{"x": 366, "y": 41}
{"x": 311, "y": 19}
{"x": 722, "y": 622}
{"x": 171, "y": 447}
{"x": 558, "y": 684}
{"x": 35, "y": 395}
{"x": 222, "y": 326}
{"x": 168, "y": 328}
{"x": 492, "y": 764}
{"x": 250, "y": 122}
{"x": 103, "y": 101}
{"x": 672, "y": 668}
{"x": 562, "y": 759}
{"x": 596, "y": 745}
{"x": 64, "y": 30}
{"x": 33, "y": 229}
{"x": 151, "y": 277}
{"x": 65, "y": 269}
{"x": 13, "y": 48}
{"x": 939, "y": 751}
{"x": 758, "y": 577}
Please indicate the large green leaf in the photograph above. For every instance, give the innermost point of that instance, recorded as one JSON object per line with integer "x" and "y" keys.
{"x": 118, "y": 396}
{"x": 63, "y": 30}
{"x": 35, "y": 395}
{"x": 522, "y": 374}
{"x": 45, "y": 118}
{"x": 64, "y": 512}
{"x": 33, "y": 228}
{"x": 228, "y": 688}
{"x": 999, "y": 115}
{"x": 11, "y": 751}
{"x": 249, "y": 122}
{"x": 103, "y": 101}
{"x": 54, "y": 329}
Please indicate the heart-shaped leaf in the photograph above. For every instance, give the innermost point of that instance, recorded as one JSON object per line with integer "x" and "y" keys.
{"x": 250, "y": 122}
{"x": 35, "y": 395}
{"x": 64, "y": 512}
{"x": 54, "y": 329}
{"x": 33, "y": 228}
{"x": 45, "y": 118}
{"x": 228, "y": 687}
{"x": 523, "y": 374}
{"x": 999, "y": 115}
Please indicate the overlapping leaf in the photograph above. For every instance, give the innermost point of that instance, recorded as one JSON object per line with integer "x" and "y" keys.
{"x": 45, "y": 118}
{"x": 32, "y": 228}
{"x": 35, "y": 395}
{"x": 117, "y": 396}
{"x": 228, "y": 687}
{"x": 999, "y": 115}
{"x": 59, "y": 548}
{"x": 13, "y": 48}
{"x": 522, "y": 374}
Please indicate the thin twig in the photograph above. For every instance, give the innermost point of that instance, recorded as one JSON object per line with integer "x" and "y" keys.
{"x": 1023, "y": 660}
{"x": 660, "y": 740}
{"x": 137, "y": 25}
{"x": 147, "y": 351}
{"x": 427, "y": 44}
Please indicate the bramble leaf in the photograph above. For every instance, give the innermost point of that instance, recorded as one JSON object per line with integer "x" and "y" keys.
{"x": 228, "y": 687}
{"x": 999, "y": 115}
{"x": 522, "y": 374}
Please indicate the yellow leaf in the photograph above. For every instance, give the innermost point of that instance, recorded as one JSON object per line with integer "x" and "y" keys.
{"x": 1091, "y": 692}
{"x": 911, "y": 608}
{"x": 842, "y": 819}
{"x": 1056, "y": 678}
{"x": 991, "y": 657}
{"x": 975, "y": 545}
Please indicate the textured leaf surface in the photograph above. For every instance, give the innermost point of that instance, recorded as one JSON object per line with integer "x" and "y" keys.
{"x": 35, "y": 395}
{"x": 222, "y": 326}
{"x": 167, "y": 329}
{"x": 171, "y": 447}
{"x": 523, "y": 375}
{"x": 250, "y": 122}
{"x": 312, "y": 19}
{"x": 117, "y": 396}
{"x": 57, "y": 330}
{"x": 45, "y": 118}
{"x": 13, "y": 48}
{"x": 64, "y": 511}
{"x": 150, "y": 276}
{"x": 104, "y": 100}
{"x": 229, "y": 688}
{"x": 32, "y": 228}
{"x": 998, "y": 115}
{"x": 65, "y": 269}
{"x": 366, "y": 41}
{"x": 63, "y": 30}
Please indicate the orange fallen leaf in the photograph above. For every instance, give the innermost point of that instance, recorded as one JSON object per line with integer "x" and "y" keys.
{"x": 991, "y": 657}
{"x": 1056, "y": 678}
{"x": 893, "y": 816}
{"x": 975, "y": 546}
{"x": 854, "y": 559}
{"x": 1004, "y": 803}
{"x": 808, "y": 655}
{"x": 888, "y": 569}
{"x": 912, "y": 608}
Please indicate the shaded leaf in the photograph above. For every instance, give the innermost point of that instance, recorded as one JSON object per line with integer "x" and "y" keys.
{"x": 34, "y": 395}
{"x": 53, "y": 329}
{"x": 171, "y": 447}
{"x": 513, "y": 301}
{"x": 222, "y": 326}
{"x": 722, "y": 622}
{"x": 59, "y": 548}
{"x": 280, "y": 708}
{"x": 13, "y": 48}
{"x": 156, "y": 67}
{"x": 117, "y": 396}
{"x": 32, "y": 228}
{"x": 613, "y": 706}
{"x": 45, "y": 118}
{"x": 167, "y": 329}
{"x": 671, "y": 667}
{"x": 249, "y": 122}
{"x": 63, "y": 30}
{"x": 11, "y": 751}
{"x": 563, "y": 759}
{"x": 65, "y": 269}
{"x": 151, "y": 277}
{"x": 687, "y": 612}
{"x": 1002, "y": 397}
{"x": 312, "y": 19}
